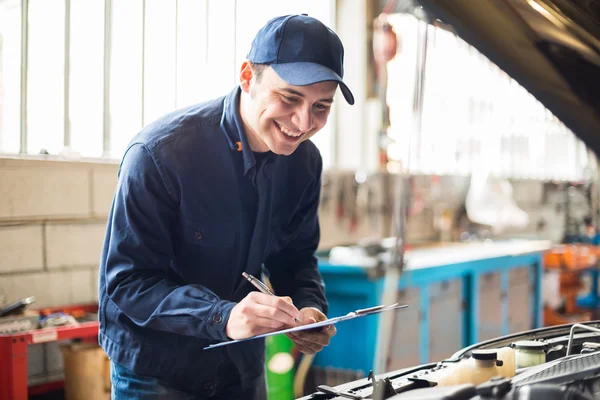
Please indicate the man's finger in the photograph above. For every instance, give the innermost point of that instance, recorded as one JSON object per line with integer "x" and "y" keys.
{"x": 315, "y": 342}
{"x": 303, "y": 344}
{"x": 276, "y": 314}
{"x": 312, "y": 349}
{"x": 266, "y": 324}
{"x": 317, "y": 338}
{"x": 279, "y": 303}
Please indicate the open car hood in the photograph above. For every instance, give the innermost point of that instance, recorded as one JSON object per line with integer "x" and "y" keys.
{"x": 551, "y": 47}
{"x": 570, "y": 369}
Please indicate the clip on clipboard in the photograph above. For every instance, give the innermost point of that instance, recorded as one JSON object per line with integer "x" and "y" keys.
{"x": 351, "y": 315}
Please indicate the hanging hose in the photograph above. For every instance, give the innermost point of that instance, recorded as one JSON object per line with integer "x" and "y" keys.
{"x": 301, "y": 374}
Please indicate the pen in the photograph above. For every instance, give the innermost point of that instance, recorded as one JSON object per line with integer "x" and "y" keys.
{"x": 262, "y": 287}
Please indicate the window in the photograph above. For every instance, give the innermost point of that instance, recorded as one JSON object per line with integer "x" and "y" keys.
{"x": 45, "y": 76}
{"x": 478, "y": 118}
{"x": 160, "y": 58}
{"x": 161, "y": 55}
{"x": 192, "y": 61}
{"x": 126, "y": 68}
{"x": 10, "y": 75}
{"x": 86, "y": 76}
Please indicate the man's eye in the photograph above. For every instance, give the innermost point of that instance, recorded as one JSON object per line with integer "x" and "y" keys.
{"x": 290, "y": 99}
{"x": 321, "y": 107}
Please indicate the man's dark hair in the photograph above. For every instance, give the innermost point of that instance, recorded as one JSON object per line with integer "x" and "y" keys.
{"x": 258, "y": 70}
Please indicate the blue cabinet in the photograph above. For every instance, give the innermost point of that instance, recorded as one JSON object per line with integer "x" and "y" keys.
{"x": 451, "y": 305}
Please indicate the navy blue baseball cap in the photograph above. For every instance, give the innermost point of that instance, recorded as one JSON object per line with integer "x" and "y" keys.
{"x": 302, "y": 51}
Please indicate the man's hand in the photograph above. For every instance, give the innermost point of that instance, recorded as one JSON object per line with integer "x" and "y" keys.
{"x": 260, "y": 313}
{"x": 309, "y": 342}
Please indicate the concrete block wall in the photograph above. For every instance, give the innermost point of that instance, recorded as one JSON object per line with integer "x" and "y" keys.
{"x": 52, "y": 222}
{"x": 53, "y": 218}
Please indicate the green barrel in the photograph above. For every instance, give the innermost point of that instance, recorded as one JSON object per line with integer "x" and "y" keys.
{"x": 280, "y": 368}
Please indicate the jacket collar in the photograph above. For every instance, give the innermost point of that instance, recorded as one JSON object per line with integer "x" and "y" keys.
{"x": 233, "y": 128}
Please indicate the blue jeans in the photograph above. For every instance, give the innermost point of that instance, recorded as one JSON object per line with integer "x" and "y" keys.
{"x": 127, "y": 385}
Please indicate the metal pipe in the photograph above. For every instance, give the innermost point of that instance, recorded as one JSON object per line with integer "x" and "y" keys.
{"x": 572, "y": 331}
{"x": 106, "y": 145}
{"x": 143, "y": 60}
{"x": 66, "y": 78}
{"x": 176, "y": 77}
{"x": 24, "y": 68}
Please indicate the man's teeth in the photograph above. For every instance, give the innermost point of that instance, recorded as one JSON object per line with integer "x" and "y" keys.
{"x": 288, "y": 133}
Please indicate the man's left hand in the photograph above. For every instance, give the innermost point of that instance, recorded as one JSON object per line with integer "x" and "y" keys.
{"x": 311, "y": 342}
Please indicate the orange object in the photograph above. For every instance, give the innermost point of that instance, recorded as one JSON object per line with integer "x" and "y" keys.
{"x": 571, "y": 257}
{"x": 570, "y": 260}
{"x": 552, "y": 317}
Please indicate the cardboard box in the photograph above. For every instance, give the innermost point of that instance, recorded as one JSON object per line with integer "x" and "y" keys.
{"x": 87, "y": 372}
{"x": 26, "y": 321}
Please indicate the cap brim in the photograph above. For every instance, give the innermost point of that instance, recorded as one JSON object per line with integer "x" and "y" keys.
{"x": 305, "y": 73}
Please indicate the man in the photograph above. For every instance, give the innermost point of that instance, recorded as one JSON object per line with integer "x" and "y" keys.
{"x": 209, "y": 192}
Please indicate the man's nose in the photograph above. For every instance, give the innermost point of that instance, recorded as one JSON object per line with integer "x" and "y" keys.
{"x": 303, "y": 119}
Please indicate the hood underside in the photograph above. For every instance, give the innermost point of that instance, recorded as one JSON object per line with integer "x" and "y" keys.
{"x": 551, "y": 47}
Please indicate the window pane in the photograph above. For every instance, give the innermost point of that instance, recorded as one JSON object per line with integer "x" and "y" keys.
{"x": 160, "y": 59}
{"x": 125, "y": 74}
{"x": 221, "y": 24}
{"x": 479, "y": 121}
{"x": 10, "y": 75}
{"x": 86, "y": 76}
{"x": 45, "y": 79}
{"x": 191, "y": 52}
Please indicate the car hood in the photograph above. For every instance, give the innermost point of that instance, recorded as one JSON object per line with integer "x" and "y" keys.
{"x": 551, "y": 47}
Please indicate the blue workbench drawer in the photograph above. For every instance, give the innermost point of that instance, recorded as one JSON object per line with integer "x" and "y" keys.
{"x": 406, "y": 330}
{"x": 450, "y": 306}
{"x": 520, "y": 297}
{"x": 490, "y": 306}
{"x": 446, "y": 319}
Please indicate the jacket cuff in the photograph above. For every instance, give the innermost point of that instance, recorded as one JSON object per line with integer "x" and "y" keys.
{"x": 216, "y": 321}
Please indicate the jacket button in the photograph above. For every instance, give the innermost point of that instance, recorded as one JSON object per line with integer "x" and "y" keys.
{"x": 217, "y": 319}
{"x": 198, "y": 235}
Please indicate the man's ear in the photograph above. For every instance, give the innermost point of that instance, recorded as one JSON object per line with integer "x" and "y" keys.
{"x": 246, "y": 75}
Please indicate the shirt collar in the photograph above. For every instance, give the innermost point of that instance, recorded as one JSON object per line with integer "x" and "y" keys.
{"x": 233, "y": 128}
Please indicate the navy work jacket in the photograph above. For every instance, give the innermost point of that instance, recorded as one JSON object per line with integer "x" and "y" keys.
{"x": 191, "y": 213}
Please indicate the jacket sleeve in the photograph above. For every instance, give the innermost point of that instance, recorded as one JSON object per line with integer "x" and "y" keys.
{"x": 294, "y": 270}
{"x": 138, "y": 250}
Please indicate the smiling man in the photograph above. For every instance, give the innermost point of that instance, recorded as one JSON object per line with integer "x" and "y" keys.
{"x": 206, "y": 193}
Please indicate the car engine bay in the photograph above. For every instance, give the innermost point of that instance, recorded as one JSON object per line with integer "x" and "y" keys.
{"x": 569, "y": 368}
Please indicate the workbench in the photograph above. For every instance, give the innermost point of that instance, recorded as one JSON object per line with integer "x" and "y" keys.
{"x": 14, "y": 353}
{"x": 458, "y": 294}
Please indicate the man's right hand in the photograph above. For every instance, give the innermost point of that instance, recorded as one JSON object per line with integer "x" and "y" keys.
{"x": 260, "y": 313}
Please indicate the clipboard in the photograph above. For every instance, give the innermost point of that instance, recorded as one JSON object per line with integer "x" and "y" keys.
{"x": 332, "y": 321}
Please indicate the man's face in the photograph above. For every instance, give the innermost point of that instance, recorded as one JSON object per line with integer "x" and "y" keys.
{"x": 279, "y": 116}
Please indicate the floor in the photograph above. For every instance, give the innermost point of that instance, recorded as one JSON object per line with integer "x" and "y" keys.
{"x": 55, "y": 395}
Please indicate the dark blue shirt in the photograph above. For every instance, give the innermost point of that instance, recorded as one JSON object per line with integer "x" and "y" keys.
{"x": 189, "y": 215}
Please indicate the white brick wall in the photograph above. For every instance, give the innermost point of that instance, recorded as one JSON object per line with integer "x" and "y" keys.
{"x": 44, "y": 192}
{"x": 82, "y": 284}
{"x": 104, "y": 182}
{"x": 74, "y": 245}
{"x": 53, "y": 218}
{"x": 21, "y": 248}
{"x": 52, "y": 223}
{"x": 50, "y": 289}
